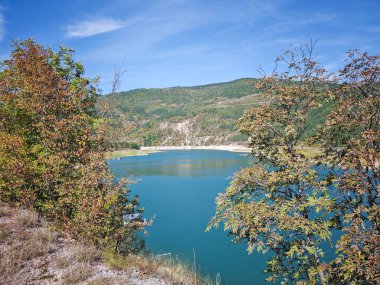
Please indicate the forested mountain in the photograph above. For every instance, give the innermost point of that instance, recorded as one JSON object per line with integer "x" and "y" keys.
{"x": 198, "y": 115}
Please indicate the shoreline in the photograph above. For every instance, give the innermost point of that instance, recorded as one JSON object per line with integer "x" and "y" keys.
{"x": 128, "y": 152}
{"x": 146, "y": 150}
{"x": 233, "y": 148}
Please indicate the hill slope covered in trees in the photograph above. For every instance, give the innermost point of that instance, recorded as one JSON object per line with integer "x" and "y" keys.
{"x": 198, "y": 115}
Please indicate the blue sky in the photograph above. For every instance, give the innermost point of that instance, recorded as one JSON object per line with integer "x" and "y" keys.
{"x": 190, "y": 42}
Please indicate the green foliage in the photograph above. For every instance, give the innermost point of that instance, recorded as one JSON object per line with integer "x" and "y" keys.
{"x": 154, "y": 116}
{"x": 52, "y": 144}
{"x": 290, "y": 204}
{"x": 271, "y": 205}
{"x": 122, "y": 145}
{"x": 160, "y": 116}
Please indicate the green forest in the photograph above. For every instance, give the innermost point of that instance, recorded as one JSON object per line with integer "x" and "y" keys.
{"x": 198, "y": 115}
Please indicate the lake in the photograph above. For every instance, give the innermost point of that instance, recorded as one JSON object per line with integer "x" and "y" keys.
{"x": 179, "y": 189}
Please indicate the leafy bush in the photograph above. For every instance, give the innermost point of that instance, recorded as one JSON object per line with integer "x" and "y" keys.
{"x": 52, "y": 145}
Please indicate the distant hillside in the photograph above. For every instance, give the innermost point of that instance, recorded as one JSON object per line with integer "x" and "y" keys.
{"x": 198, "y": 115}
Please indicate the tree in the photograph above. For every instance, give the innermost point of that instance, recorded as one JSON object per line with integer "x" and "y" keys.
{"x": 290, "y": 203}
{"x": 272, "y": 205}
{"x": 351, "y": 142}
{"x": 52, "y": 146}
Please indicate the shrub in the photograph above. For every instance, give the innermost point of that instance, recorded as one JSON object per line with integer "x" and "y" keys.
{"x": 52, "y": 146}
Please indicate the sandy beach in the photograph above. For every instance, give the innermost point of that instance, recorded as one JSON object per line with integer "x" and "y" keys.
{"x": 234, "y": 148}
{"x": 145, "y": 150}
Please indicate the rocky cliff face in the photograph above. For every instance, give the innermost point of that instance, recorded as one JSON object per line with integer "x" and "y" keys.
{"x": 189, "y": 132}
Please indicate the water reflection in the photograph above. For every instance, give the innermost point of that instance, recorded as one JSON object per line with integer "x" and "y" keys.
{"x": 180, "y": 163}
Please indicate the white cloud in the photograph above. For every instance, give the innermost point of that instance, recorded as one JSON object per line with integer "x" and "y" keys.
{"x": 160, "y": 22}
{"x": 89, "y": 28}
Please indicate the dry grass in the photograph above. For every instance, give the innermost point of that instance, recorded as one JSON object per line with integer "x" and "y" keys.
{"x": 108, "y": 281}
{"x": 26, "y": 218}
{"x": 32, "y": 253}
{"x": 62, "y": 262}
{"x": 22, "y": 248}
{"x": 173, "y": 271}
{"x": 125, "y": 263}
{"x": 80, "y": 273}
{"x": 114, "y": 261}
{"x": 78, "y": 253}
{"x": 177, "y": 272}
{"x": 22, "y": 241}
{"x": 46, "y": 238}
{"x": 145, "y": 264}
{"x": 210, "y": 281}
{"x": 86, "y": 253}
{"x": 5, "y": 232}
{"x": 168, "y": 269}
{"x": 5, "y": 210}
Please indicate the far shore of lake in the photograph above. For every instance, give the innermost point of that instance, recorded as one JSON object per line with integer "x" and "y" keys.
{"x": 145, "y": 150}
{"x": 231, "y": 147}
{"x": 309, "y": 151}
{"x": 128, "y": 152}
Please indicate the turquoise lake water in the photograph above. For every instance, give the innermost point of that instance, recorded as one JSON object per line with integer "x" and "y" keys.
{"x": 179, "y": 189}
